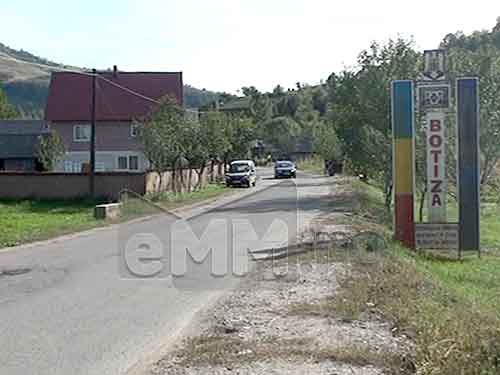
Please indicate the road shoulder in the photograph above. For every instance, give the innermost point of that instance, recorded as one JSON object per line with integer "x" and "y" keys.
{"x": 289, "y": 316}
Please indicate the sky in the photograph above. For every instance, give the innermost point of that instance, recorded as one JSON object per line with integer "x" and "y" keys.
{"x": 223, "y": 45}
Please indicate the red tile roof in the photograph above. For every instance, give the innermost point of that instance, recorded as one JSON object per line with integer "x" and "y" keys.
{"x": 70, "y": 95}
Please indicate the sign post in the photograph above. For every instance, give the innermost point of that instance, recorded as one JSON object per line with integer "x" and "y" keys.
{"x": 468, "y": 162}
{"x": 434, "y": 103}
{"x": 403, "y": 121}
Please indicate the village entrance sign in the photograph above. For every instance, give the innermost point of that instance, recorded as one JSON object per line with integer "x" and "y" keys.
{"x": 433, "y": 99}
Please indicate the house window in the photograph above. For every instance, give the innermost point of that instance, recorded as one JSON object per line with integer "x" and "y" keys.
{"x": 100, "y": 167}
{"x": 122, "y": 162}
{"x": 133, "y": 163}
{"x": 134, "y": 130}
{"x": 72, "y": 166}
{"x": 68, "y": 166}
{"x": 81, "y": 133}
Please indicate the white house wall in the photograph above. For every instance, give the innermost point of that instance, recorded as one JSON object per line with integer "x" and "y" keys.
{"x": 106, "y": 161}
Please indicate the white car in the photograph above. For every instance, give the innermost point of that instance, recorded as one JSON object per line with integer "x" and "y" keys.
{"x": 241, "y": 173}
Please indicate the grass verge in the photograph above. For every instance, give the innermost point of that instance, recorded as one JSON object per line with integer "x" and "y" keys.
{"x": 169, "y": 200}
{"x": 23, "y": 221}
{"x": 314, "y": 164}
{"x": 449, "y": 308}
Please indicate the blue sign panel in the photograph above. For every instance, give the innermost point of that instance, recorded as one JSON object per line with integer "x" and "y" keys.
{"x": 468, "y": 162}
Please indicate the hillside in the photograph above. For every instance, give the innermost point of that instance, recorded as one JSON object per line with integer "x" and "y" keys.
{"x": 25, "y": 79}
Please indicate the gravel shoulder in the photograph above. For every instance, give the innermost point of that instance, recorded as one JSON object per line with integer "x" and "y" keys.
{"x": 290, "y": 316}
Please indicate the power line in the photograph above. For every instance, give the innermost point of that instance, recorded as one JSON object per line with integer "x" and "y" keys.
{"x": 130, "y": 91}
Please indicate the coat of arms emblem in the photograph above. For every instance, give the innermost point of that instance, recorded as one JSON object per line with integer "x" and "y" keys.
{"x": 434, "y": 64}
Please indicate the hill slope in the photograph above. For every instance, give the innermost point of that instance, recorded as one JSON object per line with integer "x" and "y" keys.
{"x": 25, "y": 79}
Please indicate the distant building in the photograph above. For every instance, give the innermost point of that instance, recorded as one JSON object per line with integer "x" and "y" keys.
{"x": 239, "y": 106}
{"x": 19, "y": 141}
{"x": 304, "y": 149}
{"x": 121, "y": 98}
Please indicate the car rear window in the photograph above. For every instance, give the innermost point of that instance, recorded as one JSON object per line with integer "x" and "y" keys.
{"x": 239, "y": 167}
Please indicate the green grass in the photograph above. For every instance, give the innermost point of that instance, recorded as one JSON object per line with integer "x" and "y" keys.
{"x": 477, "y": 279}
{"x": 490, "y": 226}
{"x": 453, "y": 334}
{"x": 29, "y": 220}
{"x": 23, "y": 221}
{"x": 170, "y": 200}
{"x": 450, "y": 308}
{"x": 314, "y": 164}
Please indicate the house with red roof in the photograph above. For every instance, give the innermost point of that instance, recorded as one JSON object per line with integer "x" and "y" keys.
{"x": 121, "y": 98}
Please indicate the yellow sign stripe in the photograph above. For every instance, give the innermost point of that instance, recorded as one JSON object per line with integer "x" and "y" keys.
{"x": 403, "y": 166}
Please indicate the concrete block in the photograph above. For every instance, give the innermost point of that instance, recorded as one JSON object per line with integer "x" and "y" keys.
{"x": 108, "y": 211}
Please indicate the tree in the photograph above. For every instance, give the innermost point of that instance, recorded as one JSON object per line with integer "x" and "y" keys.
{"x": 283, "y": 133}
{"x": 215, "y": 130}
{"x": 194, "y": 149}
{"x": 261, "y": 108}
{"x": 306, "y": 114}
{"x": 278, "y": 92}
{"x": 241, "y": 132}
{"x": 326, "y": 142}
{"x": 50, "y": 150}
{"x": 361, "y": 108}
{"x": 7, "y": 111}
{"x": 286, "y": 105}
{"x": 160, "y": 137}
{"x": 320, "y": 99}
{"x": 478, "y": 54}
{"x": 345, "y": 115}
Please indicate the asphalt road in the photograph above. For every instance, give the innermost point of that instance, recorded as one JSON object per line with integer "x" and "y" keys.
{"x": 94, "y": 304}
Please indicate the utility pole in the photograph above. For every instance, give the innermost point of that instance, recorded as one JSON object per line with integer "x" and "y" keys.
{"x": 92, "y": 137}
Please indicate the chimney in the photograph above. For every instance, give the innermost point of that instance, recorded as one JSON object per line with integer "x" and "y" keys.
{"x": 115, "y": 71}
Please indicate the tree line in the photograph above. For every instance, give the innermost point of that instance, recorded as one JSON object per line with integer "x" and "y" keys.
{"x": 346, "y": 117}
{"x": 174, "y": 140}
